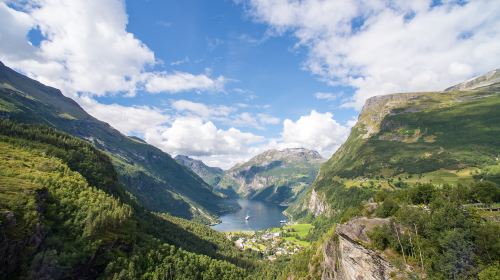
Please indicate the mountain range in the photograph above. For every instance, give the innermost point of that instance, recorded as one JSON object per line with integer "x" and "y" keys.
{"x": 155, "y": 179}
{"x": 411, "y": 194}
{"x": 276, "y": 176}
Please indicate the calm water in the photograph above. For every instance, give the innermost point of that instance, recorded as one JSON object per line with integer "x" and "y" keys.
{"x": 262, "y": 216}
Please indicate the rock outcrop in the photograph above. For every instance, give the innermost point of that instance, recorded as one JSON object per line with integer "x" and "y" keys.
{"x": 346, "y": 256}
{"x": 487, "y": 79}
{"x": 317, "y": 205}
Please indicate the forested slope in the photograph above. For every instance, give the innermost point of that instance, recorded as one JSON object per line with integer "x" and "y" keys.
{"x": 65, "y": 215}
{"x": 152, "y": 176}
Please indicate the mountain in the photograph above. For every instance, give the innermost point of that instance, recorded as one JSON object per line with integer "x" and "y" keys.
{"x": 155, "y": 179}
{"x": 411, "y": 192}
{"x": 65, "y": 215}
{"x": 211, "y": 175}
{"x": 402, "y": 139}
{"x": 277, "y": 176}
{"x": 487, "y": 79}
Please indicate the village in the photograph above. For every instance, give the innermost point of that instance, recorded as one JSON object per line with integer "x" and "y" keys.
{"x": 274, "y": 242}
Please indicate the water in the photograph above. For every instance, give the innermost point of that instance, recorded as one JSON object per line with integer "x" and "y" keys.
{"x": 262, "y": 216}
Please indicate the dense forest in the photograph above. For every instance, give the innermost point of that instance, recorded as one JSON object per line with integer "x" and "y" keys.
{"x": 65, "y": 215}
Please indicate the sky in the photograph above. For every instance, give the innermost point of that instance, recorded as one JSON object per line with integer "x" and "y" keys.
{"x": 224, "y": 80}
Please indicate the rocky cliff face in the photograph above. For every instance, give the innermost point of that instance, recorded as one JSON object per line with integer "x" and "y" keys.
{"x": 277, "y": 176}
{"x": 317, "y": 205}
{"x": 346, "y": 258}
{"x": 487, "y": 79}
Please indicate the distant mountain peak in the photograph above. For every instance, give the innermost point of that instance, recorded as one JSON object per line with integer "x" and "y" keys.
{"x": 487, "y": 79}
{"x": 287, "y": 154}
{"x": 277, "y": 176}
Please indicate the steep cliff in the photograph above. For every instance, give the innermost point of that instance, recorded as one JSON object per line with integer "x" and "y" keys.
{"x": 346, "y": 256}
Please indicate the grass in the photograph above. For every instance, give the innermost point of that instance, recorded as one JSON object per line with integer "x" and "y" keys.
{"x": 296, "y": 241}
{"x": 300, "y": 230}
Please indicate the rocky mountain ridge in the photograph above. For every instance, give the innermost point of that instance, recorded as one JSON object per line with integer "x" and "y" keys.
{"x": 277, "y": 176}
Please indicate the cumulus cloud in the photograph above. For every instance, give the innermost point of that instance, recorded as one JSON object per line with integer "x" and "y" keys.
{"x": 86, "y": 47}
{"x": 316, "y": 131}
{"x": 229, "y": 115}
{"x": 127, "y": 119}
{"x": 201, "y": 109}
{"x": 268, "y": 119}
{"x": 196, "y": 137}
{"x": 87, "y": 41}
{"x": 383, "y": 46}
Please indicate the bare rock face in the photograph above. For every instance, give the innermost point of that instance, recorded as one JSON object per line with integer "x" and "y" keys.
{"x": 487, "y": 79}
{"x": 377, "y": 107}
{"x": 345, "y": 258}
{"x": 317, "y": 205}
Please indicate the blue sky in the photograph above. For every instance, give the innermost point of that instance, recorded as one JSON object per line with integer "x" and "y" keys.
{"x": 224, "y": 80}
{"x": 263, "y": 70}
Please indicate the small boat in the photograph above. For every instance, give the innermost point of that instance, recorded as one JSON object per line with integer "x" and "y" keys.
{"x": 247, "y": 218}
{"x": 283, "y": 221}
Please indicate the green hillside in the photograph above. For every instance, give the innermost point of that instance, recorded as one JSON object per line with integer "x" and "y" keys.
{"x": 152, "y": 176}
{"x": 409, "y": 138}
{"x": 429, "y": 162}
{"x": 63, "y": 214}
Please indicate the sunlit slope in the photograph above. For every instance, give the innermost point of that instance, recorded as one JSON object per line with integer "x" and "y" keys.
{"x": 64, "y": 215}
{"x": 402, "y": 139}
{"x": 422, "y": 133}
{"x": 152, "y": 176}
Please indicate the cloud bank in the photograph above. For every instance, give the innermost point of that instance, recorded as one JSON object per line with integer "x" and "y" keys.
{"x": 383, "y": 46}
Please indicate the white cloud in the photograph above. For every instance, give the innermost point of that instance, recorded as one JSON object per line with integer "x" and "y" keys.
{"x": 182, "y": 81}
{"x": 195, "y": 137}
{"x": 14, "y": 26}
{"x": 399, "y": 45}
{"x": 315, "y": 131}
{"x": 86, "y": 48}
{"x": 89, "y": 43}
{"x": 127, "y": 119}
{"x": 228, "y": 115}
{"x": 326, "y": 96}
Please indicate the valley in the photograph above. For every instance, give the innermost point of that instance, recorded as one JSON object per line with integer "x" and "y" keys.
{"x": 411, "y": 194}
